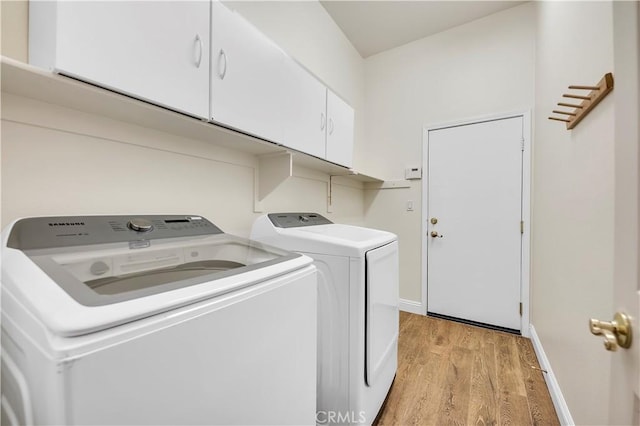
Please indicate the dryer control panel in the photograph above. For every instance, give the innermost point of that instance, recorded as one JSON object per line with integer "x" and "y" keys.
{"x": 67, "y": 231}
{"x": 294, "y": 220}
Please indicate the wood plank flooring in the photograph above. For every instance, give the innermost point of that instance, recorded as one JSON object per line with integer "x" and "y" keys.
{"x": 456, "y": 374}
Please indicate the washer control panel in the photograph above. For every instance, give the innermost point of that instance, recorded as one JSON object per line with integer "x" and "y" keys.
{"x": 294, "y": 220}
{"x": 66, "y": 231}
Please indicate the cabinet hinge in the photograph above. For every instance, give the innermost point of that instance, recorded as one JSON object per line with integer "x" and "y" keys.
{"x": 522, "y": 144}
{"x": 520, "y": 308}
{"x": 522, "y": 226}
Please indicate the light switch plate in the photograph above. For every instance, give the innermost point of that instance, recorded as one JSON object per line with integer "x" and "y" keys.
{"x": 411, "y": 173}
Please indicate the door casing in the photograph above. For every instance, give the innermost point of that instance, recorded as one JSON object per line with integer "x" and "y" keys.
{"x": 526, "y": 205}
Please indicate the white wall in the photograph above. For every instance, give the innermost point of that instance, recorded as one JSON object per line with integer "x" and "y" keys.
{"x": 573, "y": 204}
{"x": 484, "y": 67}
{"x": 60, "y": 161}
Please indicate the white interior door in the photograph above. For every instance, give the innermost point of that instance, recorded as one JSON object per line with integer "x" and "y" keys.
{"x": 475, "y": 199}
{"x": 624, "y": 390}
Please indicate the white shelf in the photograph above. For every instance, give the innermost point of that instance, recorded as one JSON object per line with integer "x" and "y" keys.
{"x": 25, "y": 80}
{"x": 388, "y": 184}
{"x": 366, "y": 178}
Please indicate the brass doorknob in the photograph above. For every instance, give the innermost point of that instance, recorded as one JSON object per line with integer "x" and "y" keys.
{"x": 616, "y": 333}
{"x": 434, "y": 234}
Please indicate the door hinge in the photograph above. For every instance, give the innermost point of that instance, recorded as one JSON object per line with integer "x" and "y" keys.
{"x": 522, "y": 144}
{"x": 520, "y": 308}
{"x": 522, "y": 226}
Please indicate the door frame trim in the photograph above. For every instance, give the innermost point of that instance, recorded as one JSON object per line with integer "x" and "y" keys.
{"x": 526, "y": 206}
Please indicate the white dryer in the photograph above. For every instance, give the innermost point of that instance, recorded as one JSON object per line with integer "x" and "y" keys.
{"x": 154, "y": 320}
{"x": 357, "y": 309}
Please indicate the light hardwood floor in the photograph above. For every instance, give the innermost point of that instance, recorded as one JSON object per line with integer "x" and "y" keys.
{"x": 451, "y": 373}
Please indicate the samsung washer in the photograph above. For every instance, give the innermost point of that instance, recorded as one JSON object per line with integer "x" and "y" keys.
{"x": 153, "y": 320}
{"x": 357, "y": 309}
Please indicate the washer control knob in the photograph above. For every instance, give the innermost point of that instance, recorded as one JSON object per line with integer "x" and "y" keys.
{"x": 140, "y": 225}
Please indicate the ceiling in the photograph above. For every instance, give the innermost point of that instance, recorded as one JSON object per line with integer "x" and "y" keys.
{"x": 375, "y": 26}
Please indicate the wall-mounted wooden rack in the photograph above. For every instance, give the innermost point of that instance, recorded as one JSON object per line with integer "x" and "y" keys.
{"x": 589, "y": 101}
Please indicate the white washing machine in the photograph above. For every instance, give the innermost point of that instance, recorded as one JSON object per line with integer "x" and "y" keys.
{"x": 357, "y": 309}
{"x": 154, "y": 320}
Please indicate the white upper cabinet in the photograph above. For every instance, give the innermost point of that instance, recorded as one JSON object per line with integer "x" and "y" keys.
{"x": 196, "y": 57}
{"x": 305, "y": 111}
{"x": 247, "y": 76}
{"x": 316, "y": 121}
{"x": 156, "y": 51}
{"x": 340, "y": 118}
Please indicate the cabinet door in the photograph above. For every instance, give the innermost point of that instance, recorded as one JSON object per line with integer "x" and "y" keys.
{"x": 305, "y": 111}
{"x": 246, "y": 76}
{"x": 157, "y": 51}
{"x": 339, "y": 130}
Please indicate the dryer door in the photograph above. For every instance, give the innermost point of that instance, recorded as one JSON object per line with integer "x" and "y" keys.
{"x": 382, "y": 310}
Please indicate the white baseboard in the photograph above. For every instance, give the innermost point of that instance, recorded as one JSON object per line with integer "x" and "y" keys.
{"x": 411, "y": 306}
{"x": 564, "y": 416}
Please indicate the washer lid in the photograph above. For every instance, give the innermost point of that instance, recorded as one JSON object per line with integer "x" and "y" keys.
{"x": 341, "y": 239}
{"x": 76, "y": 289}
{"x": 112, "y": 273}
{"x": 317, "y": 235}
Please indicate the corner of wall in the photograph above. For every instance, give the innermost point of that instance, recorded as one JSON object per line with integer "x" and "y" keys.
{"x": 15, "y": 29}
